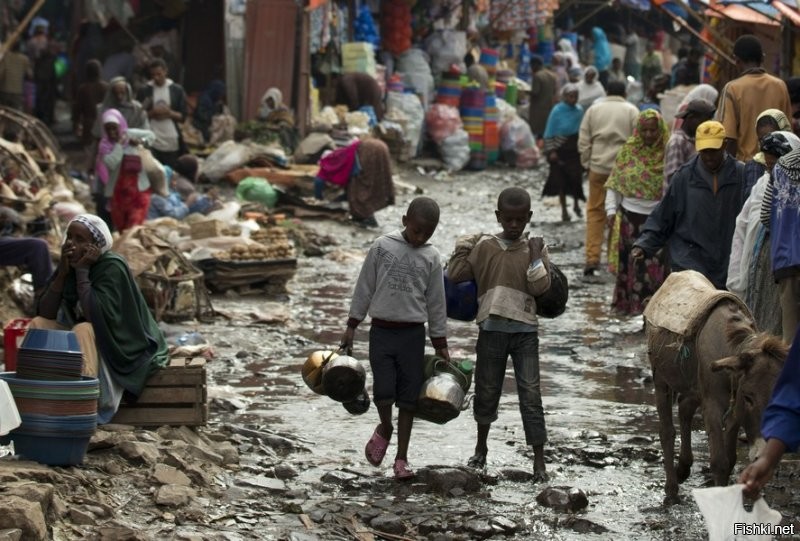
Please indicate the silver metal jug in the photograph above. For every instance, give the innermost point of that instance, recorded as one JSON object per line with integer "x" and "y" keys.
{"x": 441, "y": 398}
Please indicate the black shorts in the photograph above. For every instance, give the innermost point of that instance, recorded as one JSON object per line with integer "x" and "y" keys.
{"x": 397, "y": 359}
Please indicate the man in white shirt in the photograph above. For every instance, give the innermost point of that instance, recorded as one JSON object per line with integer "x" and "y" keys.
{"x": 604, "y": 129}
{"x": 165, "y": 103}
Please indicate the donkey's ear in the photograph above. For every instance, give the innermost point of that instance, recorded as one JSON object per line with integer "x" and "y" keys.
{"x": 735, "y": 362}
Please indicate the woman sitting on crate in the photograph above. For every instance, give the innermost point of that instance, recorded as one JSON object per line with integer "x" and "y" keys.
{"x": 93, "y": 293}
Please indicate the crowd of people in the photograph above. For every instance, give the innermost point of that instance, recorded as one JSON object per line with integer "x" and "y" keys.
{"x": 717, "y": 192}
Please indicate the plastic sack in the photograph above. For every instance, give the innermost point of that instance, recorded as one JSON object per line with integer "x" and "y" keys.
{"x": 446, "y": 47}
{"x": 455, "y": 150}
{"x": 364, "y": 27}
{"x": 410, "y": 106}
{"x": 442, "y": 121}
{"x": 723, "y": 509}
{"x": 257, "y": 190}
{"x": 357, "y": 123}
{"x": 461, "y": 299}
{"x": 155, "y": 172}
{"x": 516, "y": 135}
{"x": 416, "y": 69}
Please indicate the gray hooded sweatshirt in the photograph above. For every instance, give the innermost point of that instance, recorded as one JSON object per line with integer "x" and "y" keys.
{"x": 400, "y": 283}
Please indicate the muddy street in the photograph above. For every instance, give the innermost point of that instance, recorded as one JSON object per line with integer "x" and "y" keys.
{"x": 596, "y": 383}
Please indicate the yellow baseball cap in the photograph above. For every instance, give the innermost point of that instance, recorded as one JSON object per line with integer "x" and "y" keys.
{"x": 710, "y": 135}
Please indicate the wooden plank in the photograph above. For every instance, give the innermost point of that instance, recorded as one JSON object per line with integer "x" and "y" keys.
{"x": 177, "y": 377}
{"x": 193, "y": 416}
{"x": 197, "y": 362}
{"x": 170, "y": 395}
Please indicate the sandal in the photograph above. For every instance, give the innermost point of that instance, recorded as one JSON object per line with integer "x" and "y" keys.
{"x": 376, "y": 448}
{"x": 477, "y": 461}
{"x": 401, "y": 470}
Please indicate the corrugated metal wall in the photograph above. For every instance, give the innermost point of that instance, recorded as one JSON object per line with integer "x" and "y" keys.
{"x": 270, "y": 50}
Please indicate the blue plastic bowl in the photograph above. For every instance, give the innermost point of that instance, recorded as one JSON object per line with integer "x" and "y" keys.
{"x": 51, "y": 451}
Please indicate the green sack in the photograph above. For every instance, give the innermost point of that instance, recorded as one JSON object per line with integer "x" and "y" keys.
{"x": 257, "y": 190}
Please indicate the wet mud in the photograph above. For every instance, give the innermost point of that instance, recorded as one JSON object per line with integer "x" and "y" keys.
{"x": 596, "y": 384}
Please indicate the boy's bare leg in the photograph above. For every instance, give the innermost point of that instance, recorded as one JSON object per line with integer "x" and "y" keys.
{"x": 539, "y": 469}
{"x": 385, "y": 429}
{"x": 478, "y": 460}
{"x": 405, "y": 420}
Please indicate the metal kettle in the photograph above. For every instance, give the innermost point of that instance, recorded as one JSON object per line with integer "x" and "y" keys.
{"x": 343, "y": 378}
{"x": 441, "y": 398}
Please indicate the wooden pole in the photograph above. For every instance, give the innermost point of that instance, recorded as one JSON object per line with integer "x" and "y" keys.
{"x": 20, "y": 28}
{"x": 594, "y": 12}
{"x": 694, "y": 32}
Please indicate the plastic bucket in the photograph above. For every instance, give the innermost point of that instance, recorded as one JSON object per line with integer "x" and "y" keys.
{"x": 9, "y": 415}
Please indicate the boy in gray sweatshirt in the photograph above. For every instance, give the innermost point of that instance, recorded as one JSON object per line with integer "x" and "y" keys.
{"x": 400, "y": 286}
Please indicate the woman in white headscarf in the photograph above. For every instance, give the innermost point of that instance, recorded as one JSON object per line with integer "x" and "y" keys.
{"x": 94, "y": 294}
{"x": 590, "y": 88}
{"x": 749, "y": 271}
{"x": 271, "y": 101}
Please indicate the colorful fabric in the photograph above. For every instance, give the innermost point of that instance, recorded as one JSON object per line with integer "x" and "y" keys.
{"x": 637, "y": 281}
{"x": 601, "y": 48}
{"x": 564, "y": 120}
{"x": 128, "y": 205}
{"x": 337, "y": 167}
{"x": 639, "y": 169}
{"x": 106, "y": 145}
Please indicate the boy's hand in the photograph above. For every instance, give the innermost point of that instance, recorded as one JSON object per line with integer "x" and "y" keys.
{"x": 535, "y": 247}
{"x": 637, "y": 253}
{"x": 346, "y": 343}
{"x": 444, "y": 354}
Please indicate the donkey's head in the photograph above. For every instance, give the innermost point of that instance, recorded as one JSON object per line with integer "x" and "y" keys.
{"x": 757, "y": 364}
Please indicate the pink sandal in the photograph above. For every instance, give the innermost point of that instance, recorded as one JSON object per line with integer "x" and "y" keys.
{"x": 401, "y": 470}
{"x": 376, "y": 448}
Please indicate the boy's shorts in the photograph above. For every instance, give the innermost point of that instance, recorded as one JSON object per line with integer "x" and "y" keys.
{"x": 397, "y": 359}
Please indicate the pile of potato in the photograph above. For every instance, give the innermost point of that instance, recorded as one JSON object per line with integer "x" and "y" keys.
{"x": 273, "y": 243}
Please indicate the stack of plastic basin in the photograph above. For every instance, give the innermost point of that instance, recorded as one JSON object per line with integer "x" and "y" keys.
{"x": 57, "y": 406}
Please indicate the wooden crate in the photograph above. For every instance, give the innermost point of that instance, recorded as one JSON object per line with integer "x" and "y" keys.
{"x": 175, "y": 396}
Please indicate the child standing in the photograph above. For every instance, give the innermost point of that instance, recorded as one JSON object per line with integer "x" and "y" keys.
{"x": 510, "y": 270}
{"x": 401, "y": 286}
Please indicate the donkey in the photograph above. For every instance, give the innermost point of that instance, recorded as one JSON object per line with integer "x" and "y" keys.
{"x": 729, "y": 369}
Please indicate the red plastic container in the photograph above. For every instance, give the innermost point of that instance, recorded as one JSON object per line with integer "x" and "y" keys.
{"x": 13, "y": 333}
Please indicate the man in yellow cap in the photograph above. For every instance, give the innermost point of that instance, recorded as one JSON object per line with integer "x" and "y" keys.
{"x": 697, "y": 216}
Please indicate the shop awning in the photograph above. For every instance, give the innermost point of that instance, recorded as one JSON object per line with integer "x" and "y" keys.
{"x": 787, "y": 11}
{"x": 744, "y": 14}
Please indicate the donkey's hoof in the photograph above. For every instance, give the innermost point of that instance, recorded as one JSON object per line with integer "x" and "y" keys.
{"x": 671, "y": 499}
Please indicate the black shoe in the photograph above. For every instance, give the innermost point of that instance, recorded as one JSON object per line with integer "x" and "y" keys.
{"x": 477, "y": 461}
{"x": 590, "y": 270}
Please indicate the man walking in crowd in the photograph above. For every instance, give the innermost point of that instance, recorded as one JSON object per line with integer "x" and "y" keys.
{"x": 697, "y": 216}
{"x": 688, "y": 72}
{"x": 14, "y": 68}
{"x": 680, "y": 147}
{"x": 543, "y": 95}
{"x": 165, "y": 103}
{"x": 785, "y": 239}
{"x": 604, "y": 129}
{"x": 744, "y": 98}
